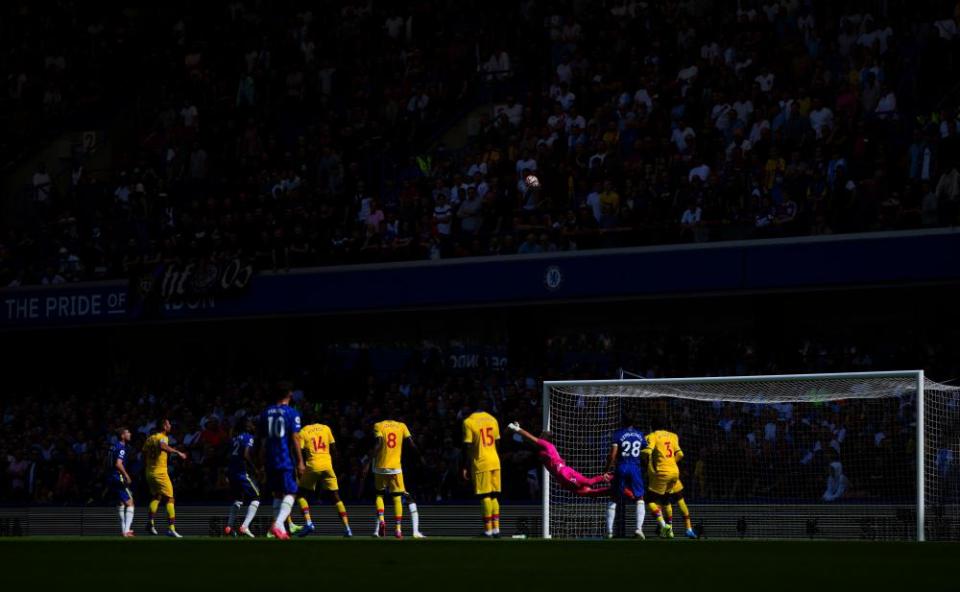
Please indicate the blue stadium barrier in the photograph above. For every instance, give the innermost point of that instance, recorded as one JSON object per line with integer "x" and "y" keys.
{"x": 845, "y": 261}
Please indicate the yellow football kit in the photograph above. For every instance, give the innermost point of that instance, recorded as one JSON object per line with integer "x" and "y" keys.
{"x": 315, "y": 440}
{"x": 158, "y": 480}
{"x": 663, "y": 449}
{"x": 387, "y": 471}
{"x": 481, "y": 432}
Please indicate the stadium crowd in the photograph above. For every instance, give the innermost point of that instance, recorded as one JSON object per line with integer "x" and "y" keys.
{"x": 304, "y": 134}
{"x": 54, "y": 443}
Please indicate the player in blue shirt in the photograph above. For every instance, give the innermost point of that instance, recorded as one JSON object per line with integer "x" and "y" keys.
{"x": 242, "y": 485}
{"x": 119, "y": 481}
{"x": 280, "y": 455}
{"x": 626, "y": 465}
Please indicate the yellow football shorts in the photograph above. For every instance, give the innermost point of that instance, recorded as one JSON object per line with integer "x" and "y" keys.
{"x": 676, "y": 489}
{"x": 389, "y": 483}
{"x": 486, "y": 482}
{"x": 160, "y": 485}
{"x": 664, "y": 483}
{"x": 325, "y": 478}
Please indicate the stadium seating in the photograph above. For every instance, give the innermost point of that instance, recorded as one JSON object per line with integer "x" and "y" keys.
{"x": 411, "y": 135}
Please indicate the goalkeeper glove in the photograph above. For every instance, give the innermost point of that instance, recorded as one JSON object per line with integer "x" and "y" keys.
{"x": 515, "y": 426}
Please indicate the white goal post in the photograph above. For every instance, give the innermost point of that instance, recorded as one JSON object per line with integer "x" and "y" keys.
{"x": 758, "y": 450}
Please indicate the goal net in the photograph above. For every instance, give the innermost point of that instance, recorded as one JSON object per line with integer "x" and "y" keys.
{"x": 840, "y": 456}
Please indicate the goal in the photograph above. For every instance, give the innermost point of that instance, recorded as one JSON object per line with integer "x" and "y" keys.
{"x": 863, "y": 455}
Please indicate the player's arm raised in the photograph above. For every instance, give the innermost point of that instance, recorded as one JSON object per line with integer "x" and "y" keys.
{"x": 171, "y": 450}
{"x": 515, "y": 427}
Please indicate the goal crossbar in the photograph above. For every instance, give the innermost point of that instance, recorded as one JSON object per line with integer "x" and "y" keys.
{"x": 726, "y": 379}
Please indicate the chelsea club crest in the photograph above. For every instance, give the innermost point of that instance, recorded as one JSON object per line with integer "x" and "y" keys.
{"x": 553, "y": 278}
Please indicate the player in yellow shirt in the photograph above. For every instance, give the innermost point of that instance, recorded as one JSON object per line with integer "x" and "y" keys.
{"x": 317, "y": 443}
{"x": 481, "y": 432}
{"x": 155, "y": 451}
{"x": 390, "y": 436}
{"x": 663, "y": 483}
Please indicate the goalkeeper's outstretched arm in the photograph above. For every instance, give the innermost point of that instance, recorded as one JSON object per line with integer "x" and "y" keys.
{"x": 515, "y": 427}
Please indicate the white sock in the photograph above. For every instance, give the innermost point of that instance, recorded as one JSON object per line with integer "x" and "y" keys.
{"x": 129, "y": 519}
{"x": 611, "y": 515}
{"x": 251, "y": 512}
{"x": 232, "y": 518}
{"x": 641, "y": 512}
{"x": 414, "y": 518}
{"x": 285, "y": 506}
{"x": 121, "y": 511}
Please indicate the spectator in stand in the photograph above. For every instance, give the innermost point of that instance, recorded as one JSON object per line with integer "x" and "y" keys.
{"x": 609, "y": 206}
{"x": 644, "y": 96}
{"x": 470, "y": 212}
{"x": 690, "y": 221}
{"x": 948, "y": 194}
{"x": 42, "y": 185}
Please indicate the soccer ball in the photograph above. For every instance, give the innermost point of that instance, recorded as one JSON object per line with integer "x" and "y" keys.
{"x": 532, "y": 181}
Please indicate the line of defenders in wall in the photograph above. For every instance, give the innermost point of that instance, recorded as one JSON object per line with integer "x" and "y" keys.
{"x": 297, "y": 461}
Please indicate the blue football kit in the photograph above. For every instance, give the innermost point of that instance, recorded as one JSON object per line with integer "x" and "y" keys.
{"x": 242, "y": 484}
{"x": 276, "y": 424}
{"x": 628, "y": 474}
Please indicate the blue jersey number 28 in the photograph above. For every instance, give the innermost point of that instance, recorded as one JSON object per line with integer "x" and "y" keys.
{"x": 631, "y": 449}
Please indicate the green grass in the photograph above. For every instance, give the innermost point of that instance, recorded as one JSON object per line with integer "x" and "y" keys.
{"x": 466, "y": 565}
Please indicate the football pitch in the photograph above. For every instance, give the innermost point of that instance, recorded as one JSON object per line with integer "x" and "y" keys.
{"x": 473, "y": 564}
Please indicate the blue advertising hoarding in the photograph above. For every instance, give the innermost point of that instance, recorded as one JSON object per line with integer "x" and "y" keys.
{"x": 64, "y": 305}
{"x": 842, "y": 261}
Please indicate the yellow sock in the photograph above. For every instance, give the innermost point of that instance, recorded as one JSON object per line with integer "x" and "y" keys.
{"x": 655, "y": 510}
{"x": 682, "y": 504}
{"x": 171, "y": 515}
{"x": 305, "y": 508}
{"x": 380, "y": 508}
{"x": 495, "y": 513}
{"x": 486, "y": 505}
{"x": 342, "y": 510}
{"x": 398, "y": 509}
{"x": 154, "y": 506}
{"x": 668, "y": 510}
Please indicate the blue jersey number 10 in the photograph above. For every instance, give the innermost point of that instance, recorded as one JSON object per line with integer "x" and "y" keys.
{"x": 276, "y": 427}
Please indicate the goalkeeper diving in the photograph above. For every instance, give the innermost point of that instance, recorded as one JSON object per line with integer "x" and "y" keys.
{"x": 566, "y": 476}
